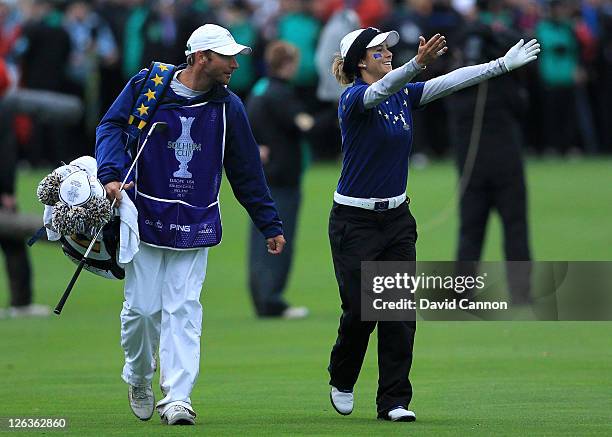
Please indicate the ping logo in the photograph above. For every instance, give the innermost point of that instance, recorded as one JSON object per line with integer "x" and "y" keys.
{"x": 182, "y": 228}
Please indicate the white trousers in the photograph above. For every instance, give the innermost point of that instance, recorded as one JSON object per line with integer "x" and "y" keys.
{"x": 162, "y": 309}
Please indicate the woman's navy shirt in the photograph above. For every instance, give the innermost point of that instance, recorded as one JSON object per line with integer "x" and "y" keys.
{"x": 376, "y": 142}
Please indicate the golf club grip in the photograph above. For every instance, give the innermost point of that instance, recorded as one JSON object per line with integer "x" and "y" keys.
{"x": 62, "y": 301}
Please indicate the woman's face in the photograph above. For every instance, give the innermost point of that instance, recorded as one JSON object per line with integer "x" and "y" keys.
{"x": 377, "y": 61}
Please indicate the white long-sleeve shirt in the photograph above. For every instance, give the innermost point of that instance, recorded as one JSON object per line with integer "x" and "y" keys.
{"x": 435, "y": 88}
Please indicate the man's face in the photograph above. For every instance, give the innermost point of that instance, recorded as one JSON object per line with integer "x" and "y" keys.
{"x": 219, "y": 68}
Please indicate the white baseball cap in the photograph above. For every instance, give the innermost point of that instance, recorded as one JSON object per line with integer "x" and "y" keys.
{"x": 215, "y": 38}
{"x": 391, "y": 38}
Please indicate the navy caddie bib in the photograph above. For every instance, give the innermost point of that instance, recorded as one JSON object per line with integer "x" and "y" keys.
{"x": 179, "y": 176}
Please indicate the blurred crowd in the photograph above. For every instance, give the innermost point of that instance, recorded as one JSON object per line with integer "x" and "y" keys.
{"x": 91, "y": 48}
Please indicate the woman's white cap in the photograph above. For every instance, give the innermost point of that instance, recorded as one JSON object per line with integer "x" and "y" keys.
{"x": 391, "y": 38}
{"x": 215, "y": 38}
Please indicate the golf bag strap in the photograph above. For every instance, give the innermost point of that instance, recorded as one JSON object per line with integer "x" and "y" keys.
{"x": 152, "y": 92}
{"x": 37, "y": 236}
{"x": 110, "y": 236}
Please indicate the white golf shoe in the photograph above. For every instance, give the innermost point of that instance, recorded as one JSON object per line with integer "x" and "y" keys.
{"x": 178, "y": 415}
{"x": 294, "y": 313}
{"x": 142, "y": 401}
{"x": 32, "y": 310}
{"x": 399, "y": 414}
{"x": 341, "y": 401}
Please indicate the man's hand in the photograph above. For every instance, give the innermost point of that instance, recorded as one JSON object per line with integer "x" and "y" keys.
{"x": 521, "y": 54}
{"x": 113, "y": 191}
{"x": 9, "y": 202}
{"x": 304, "y": 121}
{"x": 264, "y": 154}
{"x": 431, "y": 50}
{"x": 276, "y": 244}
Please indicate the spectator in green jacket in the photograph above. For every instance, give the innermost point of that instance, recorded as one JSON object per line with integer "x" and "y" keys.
{"x": 559, "y": 73}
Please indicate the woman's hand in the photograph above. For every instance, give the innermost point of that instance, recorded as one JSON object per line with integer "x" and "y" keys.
{"x": 431, "y": 50}
{"x": 521, "y": 54}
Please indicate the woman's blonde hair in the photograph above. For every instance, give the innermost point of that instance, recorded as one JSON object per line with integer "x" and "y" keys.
{"x": 341, "y": 76}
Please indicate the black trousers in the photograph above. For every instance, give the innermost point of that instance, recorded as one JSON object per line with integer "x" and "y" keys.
{"x": 15, "y": 251}
{"x": 268, "y": 274}
{"x": 362, "y": 235}
{"x": 507, "y": 195}
{"x": 18, "y": 269}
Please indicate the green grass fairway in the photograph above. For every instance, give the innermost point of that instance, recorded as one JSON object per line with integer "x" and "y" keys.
{"x": 270, "y": 378}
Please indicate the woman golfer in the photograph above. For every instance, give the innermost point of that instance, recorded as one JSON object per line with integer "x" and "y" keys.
{"x": 370, "y": 219}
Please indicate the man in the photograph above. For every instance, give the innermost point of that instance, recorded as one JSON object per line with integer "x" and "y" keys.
{"x": 16, "y": 256}
{"x": 278, "y": 120}
{"x": 492, "y": 173}
{"x": 175, "y": 191}
{"x": 44, "y": 54}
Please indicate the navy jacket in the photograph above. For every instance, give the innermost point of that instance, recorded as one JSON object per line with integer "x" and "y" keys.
{"x": 241, "y": 158}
